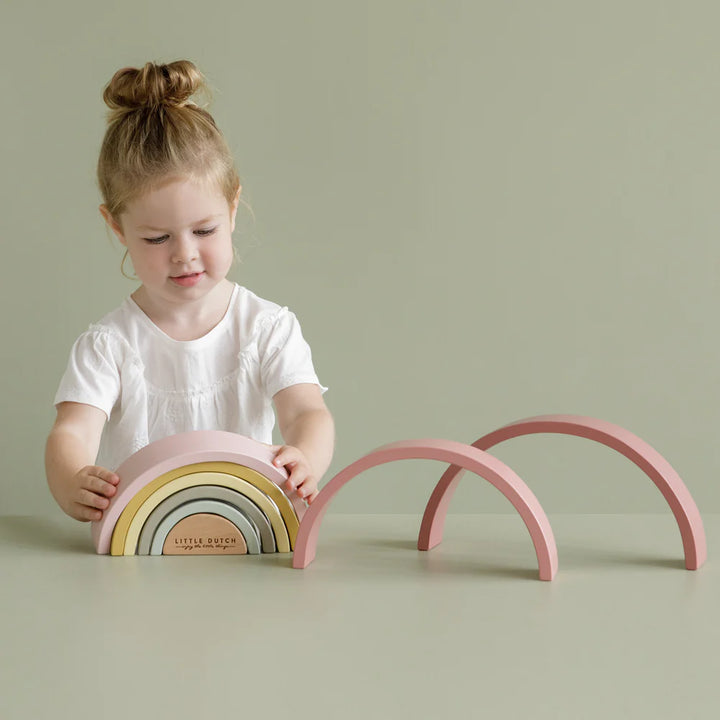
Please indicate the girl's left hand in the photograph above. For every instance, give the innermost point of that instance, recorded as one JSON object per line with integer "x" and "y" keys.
{"x": 301, "y": 477}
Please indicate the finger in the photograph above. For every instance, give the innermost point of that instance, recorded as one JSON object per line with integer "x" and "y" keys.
{"x": 283, "y": 461}
{"x": 312, "y": 496}
{"x": 306, "y": 486}
{"x": 104, "y": 474}
{"x": 298, "y": 475}
{"x": 92, "y": 500}
{"x": 286, "y": 456}
{"x": 99, "y": 486}
{"x": 85, "y": 513}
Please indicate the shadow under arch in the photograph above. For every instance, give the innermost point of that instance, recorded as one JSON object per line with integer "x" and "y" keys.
{"x": 460, "y": 455}
{"x": 654, "y": 465}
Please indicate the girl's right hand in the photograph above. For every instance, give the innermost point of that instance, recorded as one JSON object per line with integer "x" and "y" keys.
{"x": 90, "y": 491}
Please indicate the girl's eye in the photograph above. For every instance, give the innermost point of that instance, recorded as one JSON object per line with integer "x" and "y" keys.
{"x": 158, "y": 240}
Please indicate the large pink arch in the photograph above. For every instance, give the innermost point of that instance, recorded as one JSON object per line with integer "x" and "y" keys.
{"x": 632, "y": 447}
{"x": 461, "y": 455}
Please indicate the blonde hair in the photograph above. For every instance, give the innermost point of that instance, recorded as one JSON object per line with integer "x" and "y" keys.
{"x": 155, "y": 132}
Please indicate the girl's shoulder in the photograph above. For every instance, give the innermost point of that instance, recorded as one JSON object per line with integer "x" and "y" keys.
{"x": 119, "y": 323}
{"x": 110, "y": 336}
{"x": 252, "y": 305}
{"x": 255, "y": 314}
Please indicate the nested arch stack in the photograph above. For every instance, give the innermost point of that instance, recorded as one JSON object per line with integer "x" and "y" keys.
{"x": 201, "y": 492}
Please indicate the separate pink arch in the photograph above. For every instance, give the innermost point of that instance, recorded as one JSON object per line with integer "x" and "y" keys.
{"x": 461, "y": 455}
{"x": 632, "y": 447}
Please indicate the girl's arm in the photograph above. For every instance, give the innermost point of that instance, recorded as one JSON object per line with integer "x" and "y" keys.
{"x": 80, "y": 488}
{"x": 308, "y": 430}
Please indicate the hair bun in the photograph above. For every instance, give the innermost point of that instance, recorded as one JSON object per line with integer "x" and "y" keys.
{"x": 153, "y": 85}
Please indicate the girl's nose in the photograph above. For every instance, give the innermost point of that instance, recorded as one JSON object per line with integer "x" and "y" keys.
{"x": 185, "y": 251}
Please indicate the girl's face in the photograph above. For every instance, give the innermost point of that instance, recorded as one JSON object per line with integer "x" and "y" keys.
{"x": 179, "y": 238}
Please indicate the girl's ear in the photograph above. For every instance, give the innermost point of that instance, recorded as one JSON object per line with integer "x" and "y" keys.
{"x": 234, "y": 208}
{"x": 112, "y": 223}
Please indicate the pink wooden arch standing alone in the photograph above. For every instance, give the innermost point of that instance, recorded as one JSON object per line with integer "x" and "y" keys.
{"x": 461, "y": 455}
{"x": 632, "y": 447}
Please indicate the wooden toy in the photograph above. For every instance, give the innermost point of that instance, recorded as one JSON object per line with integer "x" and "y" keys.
{"x": 214, "y": 538}
{"x": 201, "y": 534}
{"x": 254, "y": 514}
{"x": 475, "y": 459}
{"x": 465, "y": 456}
{"x": 654, "y": 465}
{"x": 244, "y": 480}
{"x": 213, "y": 492}
{"x": 222, "y": 478}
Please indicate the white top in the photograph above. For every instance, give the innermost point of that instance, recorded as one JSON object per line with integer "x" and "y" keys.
{"x": 151, "y": 386}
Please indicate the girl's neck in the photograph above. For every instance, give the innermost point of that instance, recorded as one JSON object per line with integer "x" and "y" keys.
{"x": 188, "y": 320}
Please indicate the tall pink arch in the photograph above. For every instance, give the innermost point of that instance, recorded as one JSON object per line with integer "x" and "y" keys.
{"x": 632, "y": 447}
{"x": 461, "y": 455}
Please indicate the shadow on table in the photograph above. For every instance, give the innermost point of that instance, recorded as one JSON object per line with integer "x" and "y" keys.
{"x": 461, "y": 558}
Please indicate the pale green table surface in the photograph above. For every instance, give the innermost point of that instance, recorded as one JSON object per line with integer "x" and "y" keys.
{"x": 371, "y": 629}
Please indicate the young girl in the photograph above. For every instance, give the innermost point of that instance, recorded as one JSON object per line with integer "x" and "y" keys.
{"x": 188, "y": 350}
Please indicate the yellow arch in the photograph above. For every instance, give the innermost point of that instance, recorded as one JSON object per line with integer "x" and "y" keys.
{"x": 257, "y": 487}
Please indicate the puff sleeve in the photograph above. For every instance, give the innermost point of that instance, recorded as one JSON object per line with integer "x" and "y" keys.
{"x": 285, "y": 356}
{"x": 92, "y": 375}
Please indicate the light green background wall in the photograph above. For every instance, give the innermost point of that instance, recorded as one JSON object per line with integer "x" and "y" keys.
{"x": 480, "y": 211}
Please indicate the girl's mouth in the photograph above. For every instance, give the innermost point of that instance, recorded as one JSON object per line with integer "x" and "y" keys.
{"x": 188, "y": 280}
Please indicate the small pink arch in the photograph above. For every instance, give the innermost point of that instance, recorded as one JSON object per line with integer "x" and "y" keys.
{"x": 632, "y": 447}
{"x": 461, "y": 455}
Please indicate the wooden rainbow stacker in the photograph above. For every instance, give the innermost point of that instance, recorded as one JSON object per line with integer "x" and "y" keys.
{"x": 200, "y": 493}
{"x": 214, "y": 492}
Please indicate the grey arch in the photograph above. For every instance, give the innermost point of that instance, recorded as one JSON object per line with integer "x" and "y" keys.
{"x": 203, "y": 492}
{"x": 215, "y": 507}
